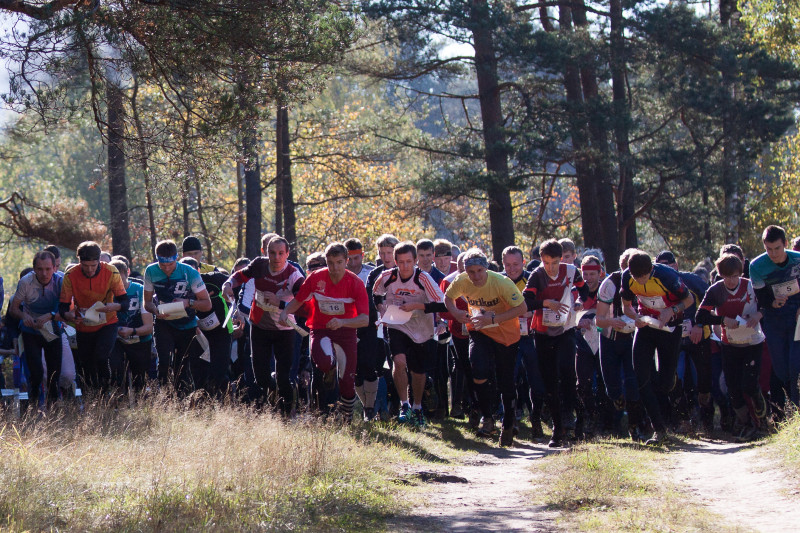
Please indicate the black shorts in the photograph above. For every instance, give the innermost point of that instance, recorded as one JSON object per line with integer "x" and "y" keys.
{"x": 417, "y": 355}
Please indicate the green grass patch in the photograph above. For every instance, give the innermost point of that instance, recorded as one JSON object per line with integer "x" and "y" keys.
{"x": 616, "y": 486}
{"x": 786, "y": 442}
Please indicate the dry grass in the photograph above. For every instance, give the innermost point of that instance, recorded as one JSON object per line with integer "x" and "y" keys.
{"x": 161, "y": 467}
{"x": 787, "y": 442}
{"x": 620, "y": 487}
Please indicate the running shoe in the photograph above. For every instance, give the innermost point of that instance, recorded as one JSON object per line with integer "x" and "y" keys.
{"x": 405, "y": 416}
{"x": 659, "y": 438}
{"x": 418, "y": 419}
{"x": 369, "y": 414}
{"x": 507, "y": 437}
{"x": 487, "y": 429}
{"x": 556, "y": 442}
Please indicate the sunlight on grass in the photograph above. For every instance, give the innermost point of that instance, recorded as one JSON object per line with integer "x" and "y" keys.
{"x": 162, "y": 467}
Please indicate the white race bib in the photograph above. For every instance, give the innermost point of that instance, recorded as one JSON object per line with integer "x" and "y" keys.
{"x": 686, "y": 328}
{"x": 787, "y": 288}
{"x": 133, "y": 339}
{"x": 208, "y": 323}
{"x": 554, "y": 319}
{"x": 523, "y": 326}
{"x": 331, "y": 307}
{"x": 652, "y": 302}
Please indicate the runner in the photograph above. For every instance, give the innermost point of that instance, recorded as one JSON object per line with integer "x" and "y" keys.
{"x": 36, "y": 304}
{"x": 339, "y": 308}
{"x": 775, "y": 275}
{"x": 551, "y": 294}
{"x": 387, "y": 402}
{"x": 734, "y": 302}
{"x": 495, "y": 305}
{"x": 366, "y": 371}
{"x": 276, "y": 283}
{"x": 408, "y": 289}
{"x": 95, "y": 290}
{"x": 462, "y": 394}
{"x": 616, "y": 351}
{"x": 169, "y": 282}
{"x": 425, "y": 256}
{"x": 696, "y": 343}
{"x": 218, "y": 334}
{"x": 527, "y": 358}
{"x": 443, "y": 256}
{"x": 192, "y": 247}
{"x": 587, "y": 360}
{"x": 662, "y": 298}
{"x": 133, "y": 347}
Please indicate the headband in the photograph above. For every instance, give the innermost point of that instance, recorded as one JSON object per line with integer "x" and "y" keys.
{"x": 167, "y": 259}
{"x": 360, "y": 251}
{"x": 592, "y": 266}
{"x": 476, "y": 260}
{"x": 445, "y": 254}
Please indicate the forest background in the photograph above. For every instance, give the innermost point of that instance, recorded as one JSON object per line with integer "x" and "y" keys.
{"x": 615, "y": 123}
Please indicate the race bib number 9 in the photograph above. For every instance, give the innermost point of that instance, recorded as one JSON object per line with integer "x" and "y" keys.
{"x": 786, "y": 289}
{"x": 554, "y": 319}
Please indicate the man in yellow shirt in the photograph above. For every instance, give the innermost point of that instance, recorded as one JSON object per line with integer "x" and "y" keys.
{"x": 494, "y": 307}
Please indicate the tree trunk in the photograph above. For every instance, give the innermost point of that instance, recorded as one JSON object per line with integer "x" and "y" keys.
{"x": 600, "y": 155}
{"x": 285, "y": 178}
{"x": 587, "y": 190}
{"x": 731, "y": 176}
{"x": 252, "y": 181}
{"x": 626, "y": 199}
{"x": 117, "y": 188}
{"x": 278, "y": 171}
{"x": 151, "y": 218}
{"x": 496, "y": 156}
{"x": 209, "y": 252}
{"x": 239, "y": 209}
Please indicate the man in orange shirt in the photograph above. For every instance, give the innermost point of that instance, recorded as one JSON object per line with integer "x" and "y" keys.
{"x": 91, "y": 295}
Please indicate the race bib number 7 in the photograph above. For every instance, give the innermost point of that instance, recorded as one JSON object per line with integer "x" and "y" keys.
{"x": 786, "y": 289}
{"x": 652, "y": 302}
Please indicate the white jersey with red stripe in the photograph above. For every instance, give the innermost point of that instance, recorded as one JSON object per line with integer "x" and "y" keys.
{"x": 419, "y": 288}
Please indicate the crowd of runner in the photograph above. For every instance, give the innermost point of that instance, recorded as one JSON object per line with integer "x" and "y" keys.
{"x": 425, "y": 332}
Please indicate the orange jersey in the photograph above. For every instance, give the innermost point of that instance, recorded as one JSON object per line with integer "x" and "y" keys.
{"x": 85, "y": 292}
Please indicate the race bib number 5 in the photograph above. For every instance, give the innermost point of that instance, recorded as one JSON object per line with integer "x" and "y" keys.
{"x": 787, "y": 288}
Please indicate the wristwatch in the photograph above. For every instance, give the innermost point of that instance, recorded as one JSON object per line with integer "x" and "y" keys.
{"x": 675, "y": 309}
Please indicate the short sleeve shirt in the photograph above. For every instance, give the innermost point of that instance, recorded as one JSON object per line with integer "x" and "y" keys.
{"x": 498, "y": 294}
{"x": 345, "y": 299}
{"x": 181, "y": 284}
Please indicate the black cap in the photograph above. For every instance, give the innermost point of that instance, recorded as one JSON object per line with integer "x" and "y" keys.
{"x": 191, "y": 244}
{"x": 666, "y": 257}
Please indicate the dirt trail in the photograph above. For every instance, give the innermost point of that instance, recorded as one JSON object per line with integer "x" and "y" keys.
{"x": 488, "y": 492}
{"x": 741, "y": 483}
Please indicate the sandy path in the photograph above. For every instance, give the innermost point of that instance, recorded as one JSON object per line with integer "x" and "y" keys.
{"x": 488, "y": 492}
{"x": 739, "y": 482}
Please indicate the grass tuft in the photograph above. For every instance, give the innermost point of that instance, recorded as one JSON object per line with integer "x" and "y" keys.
{"x": 787, "y": 442}
{"x": 614, "y": 486}
{"x": 161, "y": 467}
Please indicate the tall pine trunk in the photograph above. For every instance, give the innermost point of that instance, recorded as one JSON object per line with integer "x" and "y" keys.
{"x": 496, "y": 157}
{"x": 117, "y": 187}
